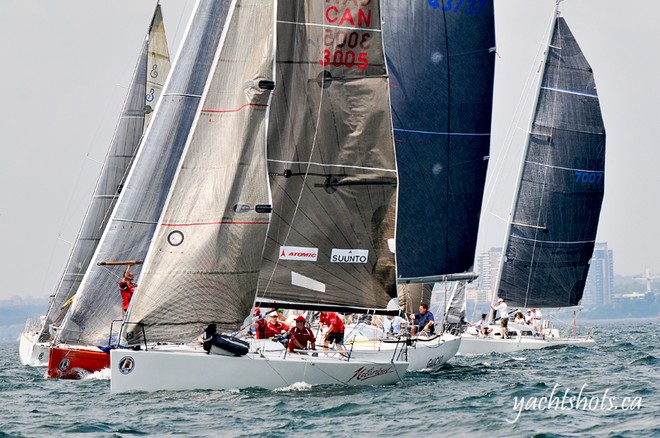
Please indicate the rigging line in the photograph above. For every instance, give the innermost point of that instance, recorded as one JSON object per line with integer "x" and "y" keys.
{"x": 525, "y": 93}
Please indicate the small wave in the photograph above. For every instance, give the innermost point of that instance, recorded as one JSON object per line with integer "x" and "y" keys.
{"x": 646, "y": 360}
{"x": 519, "y": 358}
{"x": 298, "y": 386}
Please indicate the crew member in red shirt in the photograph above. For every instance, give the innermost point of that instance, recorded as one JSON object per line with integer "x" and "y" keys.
{"x": 274, "y": 326}
{"x": 335, "y": 332}
{"x": 259, "y": 324}
{"x": 126, "y": 287}
{"x": 301, "y": 336}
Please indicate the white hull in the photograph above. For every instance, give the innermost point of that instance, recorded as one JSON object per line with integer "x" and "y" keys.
{"x": 187, "y": 368}
{"x": 422, "y": 355}
{"x": 31, "y": 352}
{"x": 473, "y": 344}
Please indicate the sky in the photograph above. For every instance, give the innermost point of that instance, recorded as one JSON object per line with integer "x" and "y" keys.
{"x": 67, "y": 63}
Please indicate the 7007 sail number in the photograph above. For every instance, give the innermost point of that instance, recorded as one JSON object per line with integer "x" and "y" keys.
{"x": 350, "y": 48}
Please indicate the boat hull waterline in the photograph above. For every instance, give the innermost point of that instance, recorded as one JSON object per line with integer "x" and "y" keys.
{"x": 156, "y": 370}
{"x": 75, "y": 363}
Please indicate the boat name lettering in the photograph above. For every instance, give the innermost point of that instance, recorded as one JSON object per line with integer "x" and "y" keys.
{"x": 363, "y": 374}
{"x": 435, "y": 362}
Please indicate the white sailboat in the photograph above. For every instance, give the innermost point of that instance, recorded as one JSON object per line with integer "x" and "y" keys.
{"x": 441, "y": 60}
{"x": 145, "y": 88}
{"x": 281, "y": 137}
{"x": 553, "y": 225}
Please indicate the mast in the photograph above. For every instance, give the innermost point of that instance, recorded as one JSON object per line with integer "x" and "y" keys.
{"x": 514, "y": 205}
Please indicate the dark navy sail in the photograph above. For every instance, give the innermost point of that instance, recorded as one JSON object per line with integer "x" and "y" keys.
{"x": 553, "y": 229}
{"x": 441, "y": 61}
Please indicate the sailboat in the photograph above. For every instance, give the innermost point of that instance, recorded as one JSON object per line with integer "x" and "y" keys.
{"x": 441, "y": 61}
{"x": 146, "y": 84}
{"x": 290, "y": 160}
{"x": 552, "y": 231}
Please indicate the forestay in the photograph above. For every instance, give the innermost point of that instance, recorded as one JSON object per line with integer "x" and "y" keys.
{"x": 140, "y": 205}
{"x": 331, "y": 161}
{"x": 552, "y": 234}
{"x": 204, "y": 260}
{"x": 146, "y": 85}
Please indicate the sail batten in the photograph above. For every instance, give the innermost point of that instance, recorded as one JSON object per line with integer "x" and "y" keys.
{"x": 561, "y": 185}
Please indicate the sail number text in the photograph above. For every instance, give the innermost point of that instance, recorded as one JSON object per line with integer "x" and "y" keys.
{"x": 350, "y": 48}
{"x": 588, "y": 177}
{"x": 347, "y": 47}
{"x": 469, "y": 7}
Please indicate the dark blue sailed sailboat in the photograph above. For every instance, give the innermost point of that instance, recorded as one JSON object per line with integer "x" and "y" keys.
{"x": 555, "y": 217}
{"x": 552, "y": 230}
{"x": 441, "y": 61}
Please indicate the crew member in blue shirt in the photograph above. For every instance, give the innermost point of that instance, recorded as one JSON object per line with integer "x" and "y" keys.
{"x": 424, "y": 320}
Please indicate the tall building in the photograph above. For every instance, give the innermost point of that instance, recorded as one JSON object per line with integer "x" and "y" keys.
{"x": 600, "y": 281}
{"x": 488, "y": 264}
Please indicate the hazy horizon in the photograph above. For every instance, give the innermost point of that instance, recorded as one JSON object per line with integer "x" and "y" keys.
{"x": 68, "y": 65}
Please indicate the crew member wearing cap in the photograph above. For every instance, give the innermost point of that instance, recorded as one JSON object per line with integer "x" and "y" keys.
{"x": 301, "y": 336}
{"x": 335, "y": 332}
{"x": 504, "y": 317}
{"x": 274, "y": 326}
{"x": 259, "y": 324}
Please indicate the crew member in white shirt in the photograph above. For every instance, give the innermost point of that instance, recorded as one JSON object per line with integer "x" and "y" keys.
{"x": 504, "y": 317}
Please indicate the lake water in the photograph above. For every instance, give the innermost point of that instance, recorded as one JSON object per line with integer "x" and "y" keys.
{"x": 492, "y": 395}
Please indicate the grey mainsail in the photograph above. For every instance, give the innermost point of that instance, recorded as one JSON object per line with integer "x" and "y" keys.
{"x": 204, "y": 260}
{"x": 555, "y": 216}
{"x": 146, "y": 85}
{"x": 134, "y": 219}
{"x": 331, "y": 162}
{"x": 441, "y": 60}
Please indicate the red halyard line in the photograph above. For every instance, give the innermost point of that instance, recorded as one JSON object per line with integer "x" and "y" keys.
{"x": 235, "y": 110}
{"x": 214, "y": 223}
